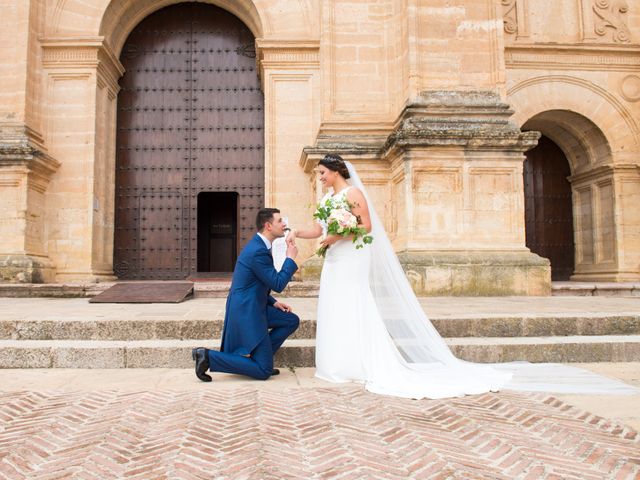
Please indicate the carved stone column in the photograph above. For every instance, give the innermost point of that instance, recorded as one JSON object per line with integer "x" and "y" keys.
{"x": 453, "y": 204}
{"x": 25, "y": 171}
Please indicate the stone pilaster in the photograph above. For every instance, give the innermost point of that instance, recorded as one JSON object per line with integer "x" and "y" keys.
{"x": 607, "y": 223}
{"x": 81, "y": 81}
{"x": 25, "y": 172}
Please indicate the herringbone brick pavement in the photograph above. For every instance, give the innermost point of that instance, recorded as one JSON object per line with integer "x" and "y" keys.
{"x": 346, "y": 433}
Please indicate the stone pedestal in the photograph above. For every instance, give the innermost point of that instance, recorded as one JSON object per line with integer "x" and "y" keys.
{"x": 452, "y": 196}
{"x": 25, "y": 171}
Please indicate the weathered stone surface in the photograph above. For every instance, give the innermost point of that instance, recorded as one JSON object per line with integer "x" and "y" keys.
{"x": 25, "y": 269}
{"x": 7, "y": 330}
{"x": 477, "y": 274}
{"x": 15, "y": 356}
{"x": 88, "y": 356}
{"x": 150, "y": 357}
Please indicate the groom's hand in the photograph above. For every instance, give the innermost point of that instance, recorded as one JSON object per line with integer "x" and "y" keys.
{"x": 291, "y": 237}
{"x": 282, "y": 306}
{"x": 292, "y": 251}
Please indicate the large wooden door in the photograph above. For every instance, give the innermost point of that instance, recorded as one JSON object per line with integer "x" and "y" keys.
{"x": 548, "y": 207}
{"x": 190, "y": 120}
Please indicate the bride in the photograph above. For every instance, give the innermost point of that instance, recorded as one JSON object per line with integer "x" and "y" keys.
{"x": 371, "y": 328}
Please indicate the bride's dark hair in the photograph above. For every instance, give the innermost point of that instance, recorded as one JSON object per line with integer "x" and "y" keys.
{"x": 335, "y": 163}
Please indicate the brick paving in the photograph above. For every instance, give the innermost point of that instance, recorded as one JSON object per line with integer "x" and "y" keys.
{"x": 249, "y": 432}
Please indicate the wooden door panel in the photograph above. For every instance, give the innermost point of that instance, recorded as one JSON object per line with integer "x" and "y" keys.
{"x": 548, "y": 207}
{"x": 190, "y": 120}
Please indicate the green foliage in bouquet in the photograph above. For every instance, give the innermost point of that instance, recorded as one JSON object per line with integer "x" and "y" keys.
{"x": 336, "y": 215}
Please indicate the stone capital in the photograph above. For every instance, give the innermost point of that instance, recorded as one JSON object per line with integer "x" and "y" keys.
{"x": 73, "y": 53}
{"x": 468, "y": 119}
{"x": 286, "y": 54}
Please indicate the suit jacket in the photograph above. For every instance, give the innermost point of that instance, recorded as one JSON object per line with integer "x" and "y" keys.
{"x": 245, "y": 320}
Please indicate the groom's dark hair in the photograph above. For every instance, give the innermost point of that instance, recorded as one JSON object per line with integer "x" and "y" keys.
{"x": 265, "y": 215}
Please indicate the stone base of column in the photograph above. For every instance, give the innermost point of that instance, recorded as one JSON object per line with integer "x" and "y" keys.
{"x": 466, "y": 273}
{"x": 26, "y": 269}
{"x": 477, "y": 273}
{"x": 310, "y": 270}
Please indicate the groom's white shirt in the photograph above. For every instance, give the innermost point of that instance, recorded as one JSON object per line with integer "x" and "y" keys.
{"x": 265, "y": 240}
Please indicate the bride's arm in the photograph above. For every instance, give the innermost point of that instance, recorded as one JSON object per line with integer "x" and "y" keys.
{"x": 315, "y": 231}
{"x": 360, "y": 208}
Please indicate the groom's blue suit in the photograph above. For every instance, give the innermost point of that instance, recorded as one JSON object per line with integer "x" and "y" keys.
{"x": 252, "y": 325}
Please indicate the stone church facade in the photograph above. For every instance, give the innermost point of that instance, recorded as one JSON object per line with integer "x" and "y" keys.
{"x": 499, "y": 139}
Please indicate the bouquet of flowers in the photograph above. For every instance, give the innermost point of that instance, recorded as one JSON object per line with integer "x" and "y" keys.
{"x": 336, "y": 215}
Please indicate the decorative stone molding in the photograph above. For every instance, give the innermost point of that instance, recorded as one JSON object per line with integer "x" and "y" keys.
{"x": 613, "y": 100}
{"x": 21, "y": 146}
{"x": 590, "y": 57}
{"x": 72, "y": 53}
{"x": 287, "y": 54}
{"x": 610, "y": 18}
{"x": 509, "y": 11}
{"x": 630, "y": 88}
{"x": 602, "y": 171}
{"x": 473, "y": 119}
{"x": 515, "y": 18}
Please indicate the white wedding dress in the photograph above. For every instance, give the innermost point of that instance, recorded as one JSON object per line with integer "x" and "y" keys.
{"x": 371, "y": 329}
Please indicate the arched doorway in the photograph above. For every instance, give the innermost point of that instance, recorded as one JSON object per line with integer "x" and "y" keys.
{"x": 548, "y": 207}
{"x": 190, "y": 144}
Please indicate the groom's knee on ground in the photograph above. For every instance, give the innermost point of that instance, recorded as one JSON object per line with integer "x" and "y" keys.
{"x": 264, "y": 371}
{"x": 295, "y": 321}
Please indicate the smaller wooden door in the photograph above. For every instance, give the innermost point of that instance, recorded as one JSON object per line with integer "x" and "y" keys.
{"x": 548, "y": 207}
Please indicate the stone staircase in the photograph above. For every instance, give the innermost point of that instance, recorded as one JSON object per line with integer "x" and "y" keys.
{"x": 71, "y": 333}
{"x": 220, "y": 289}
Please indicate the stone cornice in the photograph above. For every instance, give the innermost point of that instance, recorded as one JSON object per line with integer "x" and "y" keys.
{"x": 477, "y": 120}
{"x": 287, "y": 54}
{"x": 573, "y": 56}
{"x": 605, "y": 170}
{"x": 83, "y": 52}
{"x": 19, "y": 150}
{"x": 349, "y": 150}
{"x": 473, "y": 120}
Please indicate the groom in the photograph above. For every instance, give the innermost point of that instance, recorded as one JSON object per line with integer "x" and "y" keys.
{"x": 255, "y": 323}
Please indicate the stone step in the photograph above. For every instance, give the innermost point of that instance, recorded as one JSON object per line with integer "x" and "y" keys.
{"x": 300, "y": 353}
{"x": 220, "y": 289}
{"x": 204, "y": 329}
{"x": 595, "y": 289}
{"x": 217, "y": 289}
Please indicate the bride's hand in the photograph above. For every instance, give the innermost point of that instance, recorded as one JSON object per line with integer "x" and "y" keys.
{"x": 291, "y": 237}
{"x": 330, "y": 240}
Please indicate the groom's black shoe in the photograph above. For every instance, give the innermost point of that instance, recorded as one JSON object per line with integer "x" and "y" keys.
{"x": 201, "y": 357}
{"x": 275, "y": 371}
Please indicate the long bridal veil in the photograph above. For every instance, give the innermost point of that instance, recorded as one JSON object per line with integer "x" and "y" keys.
{"x": 423, "y": 349}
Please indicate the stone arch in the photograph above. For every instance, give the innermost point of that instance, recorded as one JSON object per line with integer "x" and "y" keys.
{"x": 580, "y": 139}
{"x": 571, "y": 94}
{"x": 121, "y": 17}
{"x": 590, "y": 158}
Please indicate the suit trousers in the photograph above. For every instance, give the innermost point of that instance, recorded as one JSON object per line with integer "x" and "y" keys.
{"x": 259, "y": 364}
